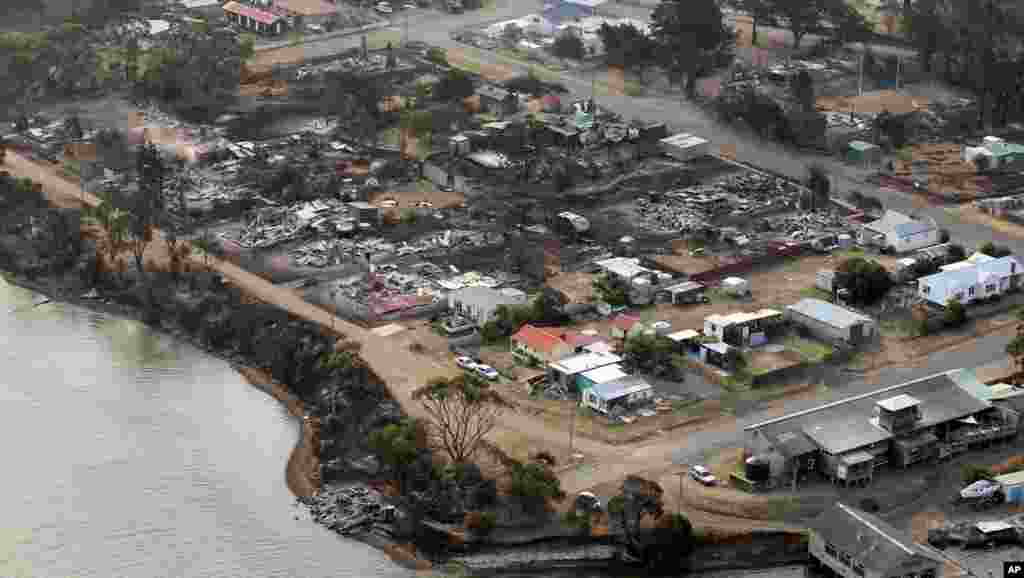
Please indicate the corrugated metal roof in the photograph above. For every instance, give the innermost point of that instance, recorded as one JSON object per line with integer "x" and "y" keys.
{"x": 830, "y": 313}
{"x": 870, "y": 540}
{"x": 620, "y": 387}
{"x": 604, "y": 374}
{"x": 584, "y": 362}
{"x": 849, "y": 424}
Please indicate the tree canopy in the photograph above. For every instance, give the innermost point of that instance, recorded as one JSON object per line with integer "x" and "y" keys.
{"x": 626, "y": 46}
{"x": 689, "y": 35}
{"x": 866, "y": 280}
{"x": 462, "y": 412}
{"x": 534, "y": 483}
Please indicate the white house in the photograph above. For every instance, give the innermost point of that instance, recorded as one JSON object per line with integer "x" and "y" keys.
{"x": 480, "y": 303}
{"x": 971, "y": 282}
{"x": 623, "y": 392}
{"x": 899, "y": 232}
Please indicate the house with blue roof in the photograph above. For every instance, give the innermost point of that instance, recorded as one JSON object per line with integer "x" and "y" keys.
{"x": 899, "y": 233}
{"x": 971, "y": 281}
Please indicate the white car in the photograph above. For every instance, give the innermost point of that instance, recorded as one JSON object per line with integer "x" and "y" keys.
{"x": 409, "y": 6}
{"x": 465, "y": 362}
{"x": 384, "y": 8}
{"x": 703, "y": 475}
{"x": 486, "y": 371}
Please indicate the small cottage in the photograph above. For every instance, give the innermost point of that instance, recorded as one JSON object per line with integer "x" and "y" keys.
{"x": 625, "y": 392}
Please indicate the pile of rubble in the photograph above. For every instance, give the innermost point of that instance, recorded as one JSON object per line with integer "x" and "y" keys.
{"x": 321, "y": 253}
{"x": 697, "y": 207}
{"x": 346, "y": 509}
{"x": 804, "y": 226}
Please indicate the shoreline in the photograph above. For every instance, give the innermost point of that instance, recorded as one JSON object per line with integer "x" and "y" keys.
{"x": 302, "y": 470}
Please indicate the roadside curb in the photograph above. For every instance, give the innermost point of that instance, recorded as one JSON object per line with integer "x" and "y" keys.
{"x": 332, "y": 35}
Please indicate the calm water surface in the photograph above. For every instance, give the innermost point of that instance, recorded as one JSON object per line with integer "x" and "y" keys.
{"x": 126, "y": 453}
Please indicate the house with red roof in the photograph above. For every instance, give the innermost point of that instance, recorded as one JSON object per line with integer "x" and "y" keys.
{"x": 265, "y": 19}
{"x": 544, "y": 344}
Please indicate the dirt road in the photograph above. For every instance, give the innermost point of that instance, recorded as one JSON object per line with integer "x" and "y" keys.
{"x": 390, "y": 358}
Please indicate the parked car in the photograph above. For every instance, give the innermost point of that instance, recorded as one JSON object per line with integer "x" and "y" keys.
{"x": 465, "y": 362}
{"x": 384, "y": 8}
{"x": 486, "y": 371}
{"x": 703, "y": 475}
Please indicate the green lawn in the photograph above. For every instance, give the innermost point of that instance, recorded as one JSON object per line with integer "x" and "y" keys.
{"x": 815, "y": 293}
{"x": 811, "y": 351}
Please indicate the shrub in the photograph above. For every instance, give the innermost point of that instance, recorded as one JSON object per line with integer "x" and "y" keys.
{"x": 973, "y": 474}
{"x": 417, "y": 347}
{"x": 480, "y": 522}
{"x": 617, "y": 505}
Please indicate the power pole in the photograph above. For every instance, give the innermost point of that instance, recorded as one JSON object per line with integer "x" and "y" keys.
{"x": 860, "y": 72}
{"x": 572, "y": 424}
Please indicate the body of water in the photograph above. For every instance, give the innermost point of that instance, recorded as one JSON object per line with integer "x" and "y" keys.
{"x": 129, "y": 454}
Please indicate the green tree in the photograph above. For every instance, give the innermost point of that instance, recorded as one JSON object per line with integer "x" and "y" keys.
{"x": 866, "y": 280}
{"x": 462, "y": 412}
{"x": 804, "y": 16}
{"x": 1015, "y": 348}
{"x": 803, "y": 90}
{"x": 534, "y": 484}
{"x": 147, "y": 201}
{"x": 609, "y": 291}
{"x": 626, "y": 46}
{"x": 398, "y": 445}
{"x": 437, "y": 55}
{"x": 568, "y": 44}
{"x": 689, "y": 35}
{"x": 547, "y": 306}
{"x": 955, "y": 314}
{"x": 818, "y": 183}
{"x": 971, "y": 474}
{"x": 640, "y": 498}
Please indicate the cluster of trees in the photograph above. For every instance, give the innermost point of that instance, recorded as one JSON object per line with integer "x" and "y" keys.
{"x": 976, "y": 44}
{"x": 546, "y": 308}
{"x": 654, "y": 355}
{"x": 866, "y": 280}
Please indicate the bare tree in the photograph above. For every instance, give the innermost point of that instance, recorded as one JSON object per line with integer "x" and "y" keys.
{"x": 462, "y": 412}
{"x": 147, "y": 202}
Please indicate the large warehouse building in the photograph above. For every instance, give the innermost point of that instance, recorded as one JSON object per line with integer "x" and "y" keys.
{"x": 845, "y": 441}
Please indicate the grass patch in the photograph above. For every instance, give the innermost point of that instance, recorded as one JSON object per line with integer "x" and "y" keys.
{"x": 379, "y": 39}
{"x": 633, "y": 89}
{"x": 811, "y": 351}
{"x": 849, "y": 253}
{"x": 898, "y": 327}
{"x": 815, "y": 293}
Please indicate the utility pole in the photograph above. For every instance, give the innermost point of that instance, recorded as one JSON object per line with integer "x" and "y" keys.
{"x": 860, "y": 72}
{"x": 572, "y": 424}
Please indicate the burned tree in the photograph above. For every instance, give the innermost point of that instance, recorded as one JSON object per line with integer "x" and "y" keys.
{"x": 462, "y": 412}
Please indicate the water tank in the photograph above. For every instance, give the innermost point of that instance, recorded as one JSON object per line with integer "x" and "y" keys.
{"x": 757, "y": 469}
